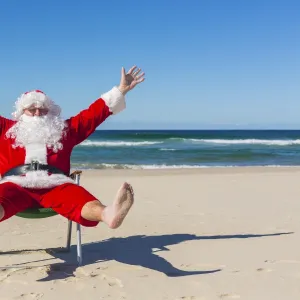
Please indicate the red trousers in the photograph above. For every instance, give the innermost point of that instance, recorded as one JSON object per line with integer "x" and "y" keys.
{"x": 67, "y": 200}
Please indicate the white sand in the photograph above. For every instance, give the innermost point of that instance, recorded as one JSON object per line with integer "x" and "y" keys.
{"x": 192, "y": 234}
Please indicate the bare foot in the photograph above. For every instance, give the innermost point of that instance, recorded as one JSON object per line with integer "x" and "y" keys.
{"x": 114, "y": 214}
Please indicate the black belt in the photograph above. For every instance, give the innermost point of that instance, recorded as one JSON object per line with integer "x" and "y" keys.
{"x": 34, "y": 166}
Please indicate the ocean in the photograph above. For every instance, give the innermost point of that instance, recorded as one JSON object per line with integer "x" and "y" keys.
{"x": 153, "y": 149}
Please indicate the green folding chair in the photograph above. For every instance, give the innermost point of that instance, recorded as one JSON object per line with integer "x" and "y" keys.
{"x": 39, "y": 213}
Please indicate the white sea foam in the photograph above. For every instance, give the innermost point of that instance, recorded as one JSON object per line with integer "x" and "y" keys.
{"x": 203, "y": 141}
{"x": 167, "y": 149}
{"x": 116, "y": 143}
{"x": 247, "y": 141}
{"x": 164, "y": 166}
{"x": 135, "y": 167}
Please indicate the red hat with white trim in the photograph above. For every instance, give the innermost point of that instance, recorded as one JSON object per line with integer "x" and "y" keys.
{"x": 38, "y": 99}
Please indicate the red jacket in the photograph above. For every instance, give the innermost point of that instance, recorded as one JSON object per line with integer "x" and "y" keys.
{"x": 79, "y": 128}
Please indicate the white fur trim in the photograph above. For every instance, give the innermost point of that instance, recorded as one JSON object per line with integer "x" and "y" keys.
{"x": 115, "y": 100}
{"x": 38, "y": 180}
{"x": 38, "y": 99}
{"x": 36, "y": 152}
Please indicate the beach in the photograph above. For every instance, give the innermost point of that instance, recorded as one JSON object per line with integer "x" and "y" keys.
{"x": 208, "y": 233}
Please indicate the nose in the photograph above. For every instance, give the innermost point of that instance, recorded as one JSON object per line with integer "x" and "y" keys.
{"x": 37, "y": 112}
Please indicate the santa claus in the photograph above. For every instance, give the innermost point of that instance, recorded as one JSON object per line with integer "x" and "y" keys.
{"x": 35, "y": 151}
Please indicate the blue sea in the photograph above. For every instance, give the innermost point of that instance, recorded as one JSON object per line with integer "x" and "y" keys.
{"x": 153, "y": 149}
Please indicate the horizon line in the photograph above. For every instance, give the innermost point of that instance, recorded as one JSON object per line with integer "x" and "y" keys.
{"x": 258, "y": 129}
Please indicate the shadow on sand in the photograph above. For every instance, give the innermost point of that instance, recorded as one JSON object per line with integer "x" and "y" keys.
{"x": 133, "y": 250}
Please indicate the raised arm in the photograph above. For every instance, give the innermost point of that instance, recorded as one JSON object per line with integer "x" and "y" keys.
{"x": 85, "y": 123}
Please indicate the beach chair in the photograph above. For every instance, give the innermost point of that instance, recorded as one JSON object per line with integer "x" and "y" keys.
{"x": 39, "y": 213}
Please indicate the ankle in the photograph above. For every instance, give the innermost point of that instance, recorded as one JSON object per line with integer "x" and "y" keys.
{"x": 108, "y": 217}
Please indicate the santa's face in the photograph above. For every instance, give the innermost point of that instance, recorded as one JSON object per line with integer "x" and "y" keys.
{"x": 37, "y": 126}
{"x": 38, "y": 122}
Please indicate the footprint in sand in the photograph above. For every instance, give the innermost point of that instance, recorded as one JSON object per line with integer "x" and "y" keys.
{"x": 263, "y": 270}
{"x": 56, "y": 269}
{"x": 30, "y": 296}
{"x": 287, "y": 261}
{"x": 12, "y": 275}
{"x": 191, "y": 298}
{"x": 111, "y": 281}
{"x": 6, "y": 273}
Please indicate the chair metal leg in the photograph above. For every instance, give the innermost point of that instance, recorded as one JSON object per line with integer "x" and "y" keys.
{"x": 79, "y": 246}
{"x": 68, "y": 246}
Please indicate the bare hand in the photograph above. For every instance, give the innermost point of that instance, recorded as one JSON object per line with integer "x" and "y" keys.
{"x": 130, "y": 79}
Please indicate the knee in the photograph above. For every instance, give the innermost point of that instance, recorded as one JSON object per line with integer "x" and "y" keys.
{"x": 1, "y": 212}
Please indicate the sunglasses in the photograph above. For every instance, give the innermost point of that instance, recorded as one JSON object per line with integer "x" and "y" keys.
{"x": 33, "y": 110}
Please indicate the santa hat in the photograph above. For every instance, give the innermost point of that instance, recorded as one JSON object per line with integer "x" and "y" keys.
{"x": 38, "y": 99}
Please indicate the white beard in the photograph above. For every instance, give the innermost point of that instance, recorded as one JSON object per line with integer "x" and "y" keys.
{"x": 48, "y": 130}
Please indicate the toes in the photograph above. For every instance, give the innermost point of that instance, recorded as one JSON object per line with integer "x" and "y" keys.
{"x": 125, "y": 185}
{"x": 130, "y": 189}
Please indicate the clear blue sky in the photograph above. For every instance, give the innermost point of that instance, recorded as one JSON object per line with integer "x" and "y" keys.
{"x": 208, "y": 64}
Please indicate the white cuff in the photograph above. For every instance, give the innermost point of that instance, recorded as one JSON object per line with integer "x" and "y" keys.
{"x": 115, "y": 100}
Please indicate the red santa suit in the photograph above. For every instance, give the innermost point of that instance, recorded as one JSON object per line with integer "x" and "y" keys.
{"x": 39, "y": 188}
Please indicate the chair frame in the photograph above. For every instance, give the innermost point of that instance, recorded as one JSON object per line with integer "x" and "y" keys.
{"x": 76, "y": 177}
